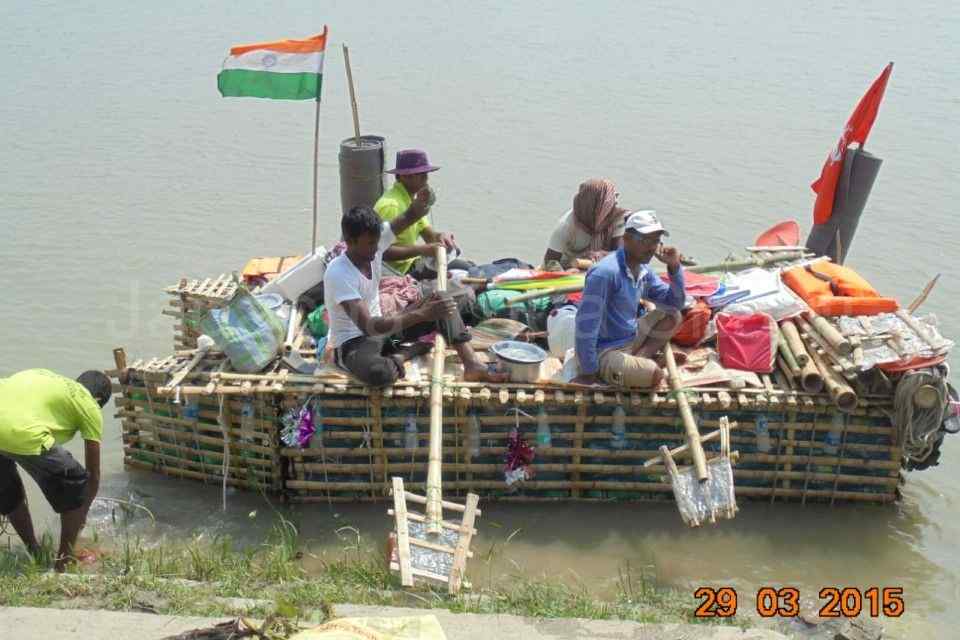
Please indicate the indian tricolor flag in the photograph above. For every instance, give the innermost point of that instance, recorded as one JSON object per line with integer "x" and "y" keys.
{"x": 282, "y": 70}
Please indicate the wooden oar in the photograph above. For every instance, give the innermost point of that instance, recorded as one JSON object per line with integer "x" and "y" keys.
{"x": 434, "y": 509}
{"x": 424, "y": 545}
{"x": 689, "y": 424}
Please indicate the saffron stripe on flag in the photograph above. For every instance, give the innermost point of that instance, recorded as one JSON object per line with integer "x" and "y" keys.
{"x": 309, "y": 45}
{"x": 243, "y": 83}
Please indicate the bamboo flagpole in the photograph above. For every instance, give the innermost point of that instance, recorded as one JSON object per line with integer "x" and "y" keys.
{"x": 316, "y": 153}
{"x": 316, "y": 170}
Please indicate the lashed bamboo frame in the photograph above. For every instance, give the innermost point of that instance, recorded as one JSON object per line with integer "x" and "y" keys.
{"x": 356, "y": 468}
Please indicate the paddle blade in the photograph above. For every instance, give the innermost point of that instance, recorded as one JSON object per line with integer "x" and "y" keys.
{"x": 782, "y": 234}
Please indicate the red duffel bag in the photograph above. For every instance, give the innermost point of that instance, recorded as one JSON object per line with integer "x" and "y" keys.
{"x": 747, "y": 342}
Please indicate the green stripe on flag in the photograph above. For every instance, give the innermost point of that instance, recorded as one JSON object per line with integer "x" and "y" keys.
{"x": 243, "y": 83}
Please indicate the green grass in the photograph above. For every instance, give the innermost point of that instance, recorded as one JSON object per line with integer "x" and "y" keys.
{"x": 195, "y": 577}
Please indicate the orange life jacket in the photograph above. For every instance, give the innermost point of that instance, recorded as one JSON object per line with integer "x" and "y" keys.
{"x": 835, "y": 290}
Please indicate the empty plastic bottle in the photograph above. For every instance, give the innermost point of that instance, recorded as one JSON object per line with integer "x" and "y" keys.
{"x": 191, "y": 408}
{"x": 410, "y": 439}
{"x": 544, "y": 437}
{"x": 247, "y": 419}
{"x": 619, "y": 429}
{"x": 473, "y": 435}
{"x": 763, "y": 434}
{"x": 317, "y": 440}
{"x": 831, "y": 444}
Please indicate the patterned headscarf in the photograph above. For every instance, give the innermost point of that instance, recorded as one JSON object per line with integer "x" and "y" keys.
{"x": 595, "y": 211}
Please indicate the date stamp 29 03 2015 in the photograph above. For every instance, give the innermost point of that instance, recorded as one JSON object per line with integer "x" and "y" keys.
{"x": 784, "y": 602}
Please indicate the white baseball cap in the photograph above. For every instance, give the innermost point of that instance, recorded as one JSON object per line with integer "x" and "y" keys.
{"x": 644, "y": 222}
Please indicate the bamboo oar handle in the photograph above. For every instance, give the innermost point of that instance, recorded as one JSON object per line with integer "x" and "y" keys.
{"x": 434, "y": 508}
{"x": 689, "y": 424}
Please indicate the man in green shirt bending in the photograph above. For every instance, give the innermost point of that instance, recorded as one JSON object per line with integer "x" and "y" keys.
{"x": 39, "y": 412}
{"x": 412, "y": 171}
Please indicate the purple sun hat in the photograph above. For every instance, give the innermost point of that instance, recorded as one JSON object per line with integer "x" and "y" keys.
{"x": 410, "y": 161}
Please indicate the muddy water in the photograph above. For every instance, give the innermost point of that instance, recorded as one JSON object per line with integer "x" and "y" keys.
{"x": 122, "y": 170}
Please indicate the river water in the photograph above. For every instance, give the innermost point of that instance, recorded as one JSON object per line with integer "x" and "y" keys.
{"x": 123, "y": 170}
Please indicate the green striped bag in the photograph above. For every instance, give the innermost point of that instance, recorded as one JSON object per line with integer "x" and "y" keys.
{"x": 249, "y": 333}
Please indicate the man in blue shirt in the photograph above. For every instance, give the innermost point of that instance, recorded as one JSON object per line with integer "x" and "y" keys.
{"x": 617, "y": 338}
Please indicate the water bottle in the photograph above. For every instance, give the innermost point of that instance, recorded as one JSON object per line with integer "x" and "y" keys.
{"x": 831, "y": 445}
{"x": 316, "y": 442}
{"x": 473, "y": 435}
{"x": 191, "y": 408}
{"x": 763, "y": 434}
{"x": 247, "y": 420}
{"x": 410, "y": 438}
{"x": 544, "y": 438}
{"x": 619, "y": 429}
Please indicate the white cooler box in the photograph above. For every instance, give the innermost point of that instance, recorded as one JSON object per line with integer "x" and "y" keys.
{"x": 299, "y": 278}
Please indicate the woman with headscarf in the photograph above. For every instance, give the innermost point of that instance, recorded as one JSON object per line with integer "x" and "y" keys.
{"x": 591, "y": 229}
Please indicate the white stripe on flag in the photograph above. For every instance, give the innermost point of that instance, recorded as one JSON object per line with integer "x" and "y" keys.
{"x": 277, "y": 62}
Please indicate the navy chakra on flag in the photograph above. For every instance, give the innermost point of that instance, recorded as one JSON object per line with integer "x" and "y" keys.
{"x": 269, "y": 60}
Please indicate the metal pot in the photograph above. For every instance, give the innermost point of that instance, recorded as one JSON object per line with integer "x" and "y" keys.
{"x": 521, "y": 360}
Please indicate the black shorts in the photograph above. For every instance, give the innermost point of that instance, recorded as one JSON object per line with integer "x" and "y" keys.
{"x": 61, "y": 478}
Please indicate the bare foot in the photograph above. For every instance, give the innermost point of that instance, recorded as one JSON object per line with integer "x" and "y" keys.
{"x": 678, "y": 356}
{"x": 62, "y": 562}
{"x": 480, "y": 374}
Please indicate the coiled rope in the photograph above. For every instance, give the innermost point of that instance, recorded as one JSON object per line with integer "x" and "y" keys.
{"x": 918, "y": 426}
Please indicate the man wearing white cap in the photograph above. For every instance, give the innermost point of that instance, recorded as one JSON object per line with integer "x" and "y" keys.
{"x": 617, "y": 338}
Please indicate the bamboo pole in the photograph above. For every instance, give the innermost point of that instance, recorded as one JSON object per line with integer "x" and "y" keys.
{"x": 797, "y": 348}
{"x": 316, "y": 168}
{"x": 746, "y": 263}
{"x": 816, "y": 342}
{"x": 829, "y": 333}
{"x": 541, "y": 293}
{"x": 658, "y": 493}
{"x": 810, "y": 378}
{"x": 909, "y": 320}
{"x": 784, "y": 347}
{"x": 923, "y": 295}
{"x": 434, "y": 509}
{"x": 843, "y": 396}
{"x": 689, "y": 424}
{"x": 353, "y": 96}
{"x": 776, "y": 249}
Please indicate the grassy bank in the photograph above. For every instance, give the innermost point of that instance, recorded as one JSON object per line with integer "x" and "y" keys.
{"x": 214, "y": 576}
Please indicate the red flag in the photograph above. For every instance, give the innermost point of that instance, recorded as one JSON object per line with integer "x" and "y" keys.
{"x": 857, "y": 129}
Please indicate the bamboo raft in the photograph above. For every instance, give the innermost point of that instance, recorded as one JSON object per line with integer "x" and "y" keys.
{"x": 215, "y": 426}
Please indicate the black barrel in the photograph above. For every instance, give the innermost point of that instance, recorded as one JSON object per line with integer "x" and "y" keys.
{"x": 361, "y": 171}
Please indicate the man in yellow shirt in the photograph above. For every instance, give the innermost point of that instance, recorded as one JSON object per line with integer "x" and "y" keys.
{"x": 412, "y": 170}
{"x": 39, "y": 412}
